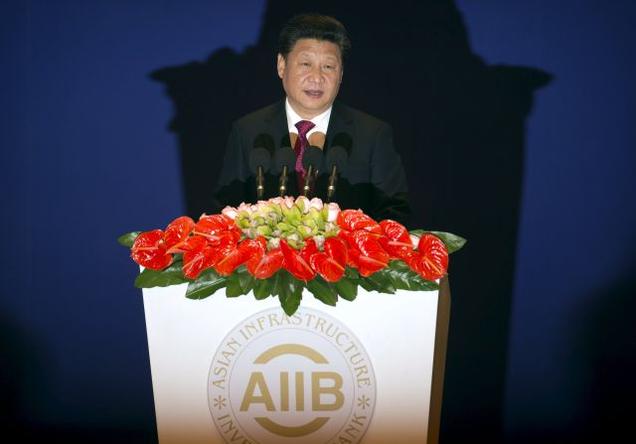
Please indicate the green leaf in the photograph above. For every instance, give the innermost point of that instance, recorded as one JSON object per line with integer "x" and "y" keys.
{"x": 382, "y": 282}
{"x": 239, "y": 283}
{"x": 277, "y": 282}
{"x": 263, "y": 288}
{"x": 291, "y": 303}
{"x": 369, "y": 284}
{"x": 246, "y": 280}
{"x": 323, "y": 291}
{"x": 128, "y": 239}
{"x": 396, "y": 276}
{"x": 206, "y": 285}
{"x": 290, "y": 292}
{"x": 402, "y": 277}
{"x": 452, "y": 241}
{"x": 164, "y": 278}
{"x": 352, "y": 274}
{"x": 233, "y": 286}
{"x": 347, "y": 288}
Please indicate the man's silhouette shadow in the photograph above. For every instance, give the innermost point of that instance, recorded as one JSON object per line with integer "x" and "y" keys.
{"x": 459, "y": 125}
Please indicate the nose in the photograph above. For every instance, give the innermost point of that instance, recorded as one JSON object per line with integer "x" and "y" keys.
{"x": 316, "y": 75}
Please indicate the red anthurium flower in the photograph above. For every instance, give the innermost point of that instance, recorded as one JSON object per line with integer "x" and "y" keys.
{"x": 372, "y": 256}
{"x": 149, "y": 250}
{"x": 253, "y": 247}
{"x": 177, "y": 232}
{"x": 352, "y": 251}
{"x": 336, "y": 249}
{"x": 396, "y": 240}
{"x": 198, "y": 255}
{"x": 331, "y": 264}
{"x": 237, "y": 256}
{"x": 213, "y": 225}
{"x": 295, "y": 264}
{"x": 308, "y": 250}
{"x": 222, "y": 239}
{"x": 356, "y": 220}
{"x": 264, "y": 266}
{"x": 431, "y": 259}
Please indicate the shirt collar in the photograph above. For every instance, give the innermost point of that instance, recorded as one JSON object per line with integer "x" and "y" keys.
{"x": 321, "y": 120}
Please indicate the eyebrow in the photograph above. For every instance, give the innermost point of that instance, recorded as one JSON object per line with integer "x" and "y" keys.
{"x": 311, "y": 54}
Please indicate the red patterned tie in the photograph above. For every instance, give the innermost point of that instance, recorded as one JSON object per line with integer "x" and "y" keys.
{"x": 304, "y": 126}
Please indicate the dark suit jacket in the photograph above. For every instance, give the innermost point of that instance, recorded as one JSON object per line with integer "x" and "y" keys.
{"x": 373, "y": 180}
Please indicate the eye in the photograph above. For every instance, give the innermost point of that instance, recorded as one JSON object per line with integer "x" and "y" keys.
{"x": 305, "y": 64}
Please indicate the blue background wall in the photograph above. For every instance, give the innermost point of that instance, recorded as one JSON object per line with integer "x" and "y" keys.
{"x": 86, "y": 156}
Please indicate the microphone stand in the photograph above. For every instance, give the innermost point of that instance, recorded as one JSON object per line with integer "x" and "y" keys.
{"x": 308, "y": 178}
{"x": 260, "y": 182}
{"x": 282, "y": 185}
{"x": 331, "y": 189}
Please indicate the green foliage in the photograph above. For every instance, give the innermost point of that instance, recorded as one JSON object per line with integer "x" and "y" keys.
{"x": 206, "y": 285}
{"x": 164, "y": 278}
{"x": 128, "y": 239}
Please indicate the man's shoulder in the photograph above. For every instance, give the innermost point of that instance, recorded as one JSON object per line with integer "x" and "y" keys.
{"x": 349, "y": 113}
{"x": 267, "y": 113}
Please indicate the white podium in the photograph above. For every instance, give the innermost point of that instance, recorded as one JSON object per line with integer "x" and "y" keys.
{"x": 240, "y": 371}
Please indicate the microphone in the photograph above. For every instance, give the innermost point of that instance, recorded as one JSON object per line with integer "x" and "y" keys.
{"x": 312, "y": 158}
{"x": 284, "y": 161}
{"x": 260, "y": 160}
{"x": 336, "y": 160}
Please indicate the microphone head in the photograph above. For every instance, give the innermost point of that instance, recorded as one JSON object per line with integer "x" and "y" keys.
{"x": 343, "y": 140}
{"x": 337, "y": 156}
{"x": 264, "y": 141}
{"x": 260, "y": 157}
{"x": 284, "y": 156}
{"x": 285, "y": 142}
{"x": 313, "y": 157}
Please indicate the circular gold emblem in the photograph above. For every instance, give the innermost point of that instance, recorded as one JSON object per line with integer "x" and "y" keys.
{"x": 303, "y": 379}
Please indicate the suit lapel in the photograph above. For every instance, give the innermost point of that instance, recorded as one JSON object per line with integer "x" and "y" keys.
{"x": 277, "y": 122}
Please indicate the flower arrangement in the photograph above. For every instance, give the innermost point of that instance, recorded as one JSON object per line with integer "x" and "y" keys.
{"x": 280, "y": 246}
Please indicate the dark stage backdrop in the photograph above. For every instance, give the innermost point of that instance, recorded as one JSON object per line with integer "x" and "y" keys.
{"x": 516, "y": 122}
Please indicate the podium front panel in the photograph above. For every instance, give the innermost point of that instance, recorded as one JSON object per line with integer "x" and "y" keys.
{"x": 239, "y": 370}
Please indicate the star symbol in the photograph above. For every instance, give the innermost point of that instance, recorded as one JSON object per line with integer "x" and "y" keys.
{"x": 219, "y": 402}
{"x": 364, "y": 402}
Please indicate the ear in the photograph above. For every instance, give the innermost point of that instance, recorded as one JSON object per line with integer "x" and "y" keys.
{"x": 280, "y": 65}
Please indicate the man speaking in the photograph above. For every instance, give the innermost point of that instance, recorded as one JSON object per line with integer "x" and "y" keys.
{"x": 311, "y": 51}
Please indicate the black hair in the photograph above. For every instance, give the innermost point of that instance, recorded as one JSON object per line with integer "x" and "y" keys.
{"x": 313, "y": 26}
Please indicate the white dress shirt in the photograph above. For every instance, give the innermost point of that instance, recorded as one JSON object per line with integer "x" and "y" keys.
{"x": 321, "y": 121}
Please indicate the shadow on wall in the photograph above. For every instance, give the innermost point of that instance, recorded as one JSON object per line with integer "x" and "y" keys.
{"x": 459, "y": 125}
{"x": 600, "y": 372}
{"x": 606, "y": 357}
{"x": 24, "y": 377}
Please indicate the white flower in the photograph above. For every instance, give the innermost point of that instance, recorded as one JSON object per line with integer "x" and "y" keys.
{"x": 245, "y": 207}
{"x": 230, "y": 212}
{"x": 316, "y": 203}
{"x": 262, "y": 207}
{"x": 288, "y": 202}
{"x": 277, "y": 200}
{"x": 302, "y": 203}
{"x": 273, "y": 243}
{"x": 334, "y": 209}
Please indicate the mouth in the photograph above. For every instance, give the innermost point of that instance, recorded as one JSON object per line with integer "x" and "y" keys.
{"x": 314, "y": 93}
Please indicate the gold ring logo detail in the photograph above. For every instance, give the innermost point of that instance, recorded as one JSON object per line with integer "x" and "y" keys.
{"x": 318, "y": 388}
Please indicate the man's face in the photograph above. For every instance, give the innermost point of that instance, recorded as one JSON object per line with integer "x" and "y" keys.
{"x": 311, "y": 76}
